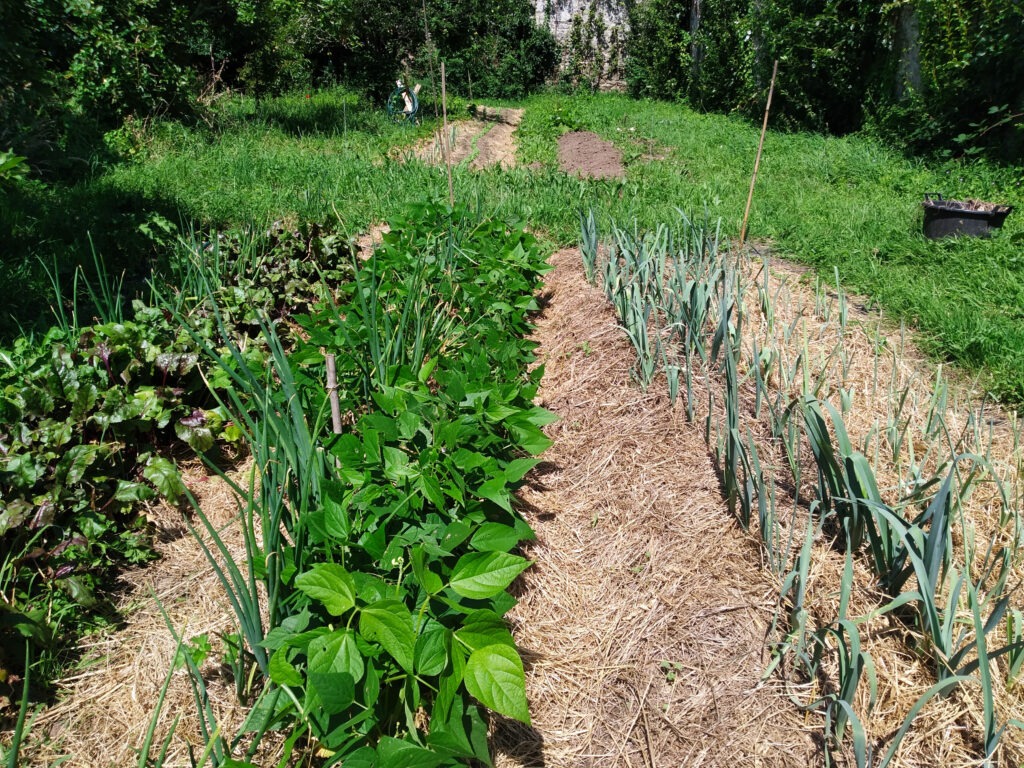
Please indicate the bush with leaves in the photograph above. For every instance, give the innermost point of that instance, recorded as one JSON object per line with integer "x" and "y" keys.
{"x": 89, "y": 414}
{"x": 922, "y": 73}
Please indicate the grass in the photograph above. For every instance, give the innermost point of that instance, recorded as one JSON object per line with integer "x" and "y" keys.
{"x": 850, "y": 204}
{"x": 835, "y": 203}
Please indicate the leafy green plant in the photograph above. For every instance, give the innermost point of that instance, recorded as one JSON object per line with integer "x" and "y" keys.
{"x": 12, "y": 166}
{"x": 385, "y": 552}
{"x": 79, "y": 404}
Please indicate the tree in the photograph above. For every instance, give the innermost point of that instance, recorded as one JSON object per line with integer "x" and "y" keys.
{"x": 658, "y": 49}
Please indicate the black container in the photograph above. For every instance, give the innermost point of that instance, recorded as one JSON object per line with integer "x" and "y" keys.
{"x": 951, "y": 218}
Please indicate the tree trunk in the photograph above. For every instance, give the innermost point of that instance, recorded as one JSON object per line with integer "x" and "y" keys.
{"x": 908, "y": 52}
{"x": 696, "y": 48}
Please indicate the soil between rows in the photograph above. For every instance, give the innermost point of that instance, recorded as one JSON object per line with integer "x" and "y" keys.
{"x": 642, "y": 622}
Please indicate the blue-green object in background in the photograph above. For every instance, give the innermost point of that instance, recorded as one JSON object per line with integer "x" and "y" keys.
{"x": 404, "y": 105}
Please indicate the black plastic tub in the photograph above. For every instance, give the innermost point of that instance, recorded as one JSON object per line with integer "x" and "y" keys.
{"x": 952, "y": 218}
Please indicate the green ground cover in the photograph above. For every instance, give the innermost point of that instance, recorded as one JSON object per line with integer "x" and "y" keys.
{"x": 829, "y": 202}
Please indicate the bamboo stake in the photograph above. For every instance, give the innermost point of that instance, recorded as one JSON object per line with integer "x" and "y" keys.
{"x": 433, "y": 58}
{"x": 332, "y": 391}
{"x": 447, "y": 138}
{"x": 757, "y": 160}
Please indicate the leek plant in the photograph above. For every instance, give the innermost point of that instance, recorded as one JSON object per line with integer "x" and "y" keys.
{"x": 735, "y": 464}
{"x": 1015, "y": 640}
{"x": 698, "y": 297}
{"x": 589, "y": 244}
{"x": 845, "y": 480}
{"x": 854, "y": 664}
{"x": 637, "y": 316}
{"x": 794, "y": 625}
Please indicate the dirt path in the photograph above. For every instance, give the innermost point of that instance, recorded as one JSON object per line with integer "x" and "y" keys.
{"x": 642, "y": 623}
{"x": 497, "y": 146}
{"x": 486, "y": 141}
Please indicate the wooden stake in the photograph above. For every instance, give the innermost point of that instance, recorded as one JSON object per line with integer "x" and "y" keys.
{"x": 757, "y": 160}
{"x": 433, "y": 58}
{"x": 332, "y": 391}
{"x": 447, "y": 138}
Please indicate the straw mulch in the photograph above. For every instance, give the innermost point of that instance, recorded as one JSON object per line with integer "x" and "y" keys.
{"x": 105, "y": 708}
{"x": 890, "y": 381}
{"x": 643, "y": 621}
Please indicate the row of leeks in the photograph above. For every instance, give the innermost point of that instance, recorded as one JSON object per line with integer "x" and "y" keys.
{"x": 680, "y": 298}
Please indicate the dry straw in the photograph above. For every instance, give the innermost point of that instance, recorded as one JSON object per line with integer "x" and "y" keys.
{"x": 643, "y": 621}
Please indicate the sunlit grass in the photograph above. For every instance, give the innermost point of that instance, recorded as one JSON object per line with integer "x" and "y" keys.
{"x": 846, "y": 203}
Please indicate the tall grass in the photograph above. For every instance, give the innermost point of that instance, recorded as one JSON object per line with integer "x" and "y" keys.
{"x": 840, "y": 204}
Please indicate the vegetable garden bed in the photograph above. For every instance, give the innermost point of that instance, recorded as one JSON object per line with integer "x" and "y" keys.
{"x": 368, "y": 603}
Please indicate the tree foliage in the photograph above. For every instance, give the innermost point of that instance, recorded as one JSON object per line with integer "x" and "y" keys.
{"x": 658, "y": 49}
{"x": 930, "y": 74}
{"x": 71, "y": 70}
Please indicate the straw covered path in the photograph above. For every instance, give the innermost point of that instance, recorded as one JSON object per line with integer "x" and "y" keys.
{"x": 486, "y": 141}
{"x": 642, "y": 623}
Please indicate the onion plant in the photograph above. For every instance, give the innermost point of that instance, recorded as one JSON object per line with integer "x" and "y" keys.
{"x": 379, "y": 338}
{"x": 21, "y": 727}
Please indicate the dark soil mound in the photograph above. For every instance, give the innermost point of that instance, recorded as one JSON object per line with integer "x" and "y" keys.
{"x": 588, "y": 155}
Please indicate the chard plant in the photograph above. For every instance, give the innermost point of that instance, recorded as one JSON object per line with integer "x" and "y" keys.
{"x": 90, "y": 413}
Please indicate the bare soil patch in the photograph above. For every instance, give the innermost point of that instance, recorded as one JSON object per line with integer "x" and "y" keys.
{"x": 366, "y": 243}
{"x": 643, "y": 621}
{"x": 498, "y": 146}
{"x": 587, "y": 155}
